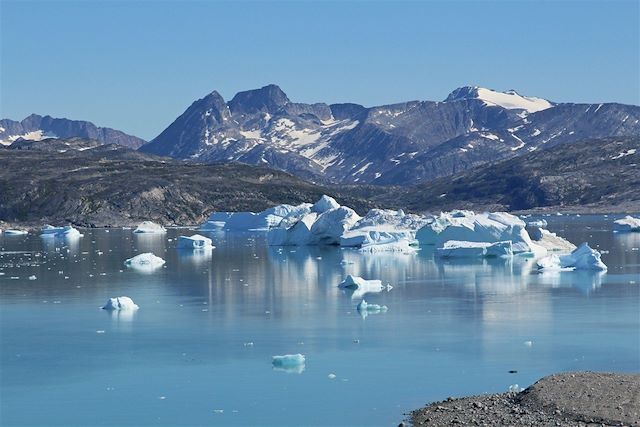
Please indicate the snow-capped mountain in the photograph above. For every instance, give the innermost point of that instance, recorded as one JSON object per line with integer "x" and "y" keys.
{"x": 391, "y": 144}
{"x": 36, "y": 128}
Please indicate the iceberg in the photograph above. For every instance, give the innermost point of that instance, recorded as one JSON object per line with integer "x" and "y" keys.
{"x": 14, "y": 232}
{"x": 550, "y": 241}
{"x": 120, "y": 303}
{"x": 360, "y": 286}
{"x": 314, "y": 228}
{"x": 195, "y": 242}
{"x": 145, "y": 262}
{"x": 382, "y": 230}
{"x": 150, "y": 227}
{"x": 365, "y": 307}
{"x": 255, "y": 221}
{"x": 324, "y": 204}
{"x": 288, "y": 360}
{"x": 460, "y": 249}
{"x": 538, "y": 223}
{"x": 378, "y": 241}
{"x": 67, "y": 232}
{"x": 626, "y": 224}
{"x": 582, "y": 258}
{"x": 467, "y": 226}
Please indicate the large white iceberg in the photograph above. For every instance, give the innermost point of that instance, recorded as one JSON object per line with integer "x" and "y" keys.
{"x": 458, "y": 249}
{"x": 120, "y": 303}
{"x": 467, "y": 226}
{"x": 582, "y": 258}
{"x": 145, "y": 262}
{"x": 250, "y": 221}
{"x": 195, "y": 242}
{"x": 383, "y": 230}
{"x": 150, "y": 227}
{"x": 626, "y": 224}
{"x": 67, "y": 232}
{"x": 317, "y": 227}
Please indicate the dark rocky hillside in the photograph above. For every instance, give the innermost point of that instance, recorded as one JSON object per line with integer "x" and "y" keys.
{"x": 100, "y": 185}
{"x": 594, "y": 174}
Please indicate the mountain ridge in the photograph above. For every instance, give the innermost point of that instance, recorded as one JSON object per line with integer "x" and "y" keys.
{"x": 396, "y": 144}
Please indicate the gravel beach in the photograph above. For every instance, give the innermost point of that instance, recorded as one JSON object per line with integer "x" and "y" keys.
{"x": 566, "y": 399}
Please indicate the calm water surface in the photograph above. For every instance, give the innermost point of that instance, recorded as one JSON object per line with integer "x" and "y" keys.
{"x": 452, "y": 328}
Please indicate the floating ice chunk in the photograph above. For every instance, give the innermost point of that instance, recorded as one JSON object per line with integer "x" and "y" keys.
{"x": 364, "y": 306}
{"x": 145, "y": 262}
{"x": 582, "y": 258}
{"x": 15, "y": 232}
{"x": 195, "y": 242}
{"x": 626, "y": 224}
{"x": 550, "y": 241}
{"x": 515, "y": 388}
{"x": 120, "y": 303}
{"x": 458, "y": 249}
{"x": 486, "y": 227}
{"x": 538, "y": 223}
{"x": 67, "y": 232}
{"x": 150, "y": 227}
{"x": 360, "y": 286}
{"x": 332, "y": 376}
{"x": 216, "y": 221}
{"x": 324, "y": 204}
{"x": 528, "y": 343}
{"x": 288, "y": 360}
{"x": 33, "y": 277}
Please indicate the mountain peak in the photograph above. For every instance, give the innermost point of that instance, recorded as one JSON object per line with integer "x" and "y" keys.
{"x": 268, "y": 99}
{"x": 509, "y": 99}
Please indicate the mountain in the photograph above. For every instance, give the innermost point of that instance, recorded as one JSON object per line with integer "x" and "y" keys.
{"x": 87, "y": 183}
{"x": 398, "y": 144}
{"x": 592, "y": 174}
{"x": 37, "y": 127}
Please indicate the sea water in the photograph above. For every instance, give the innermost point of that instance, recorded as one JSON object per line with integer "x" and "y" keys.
{"x": 199, "y": 350}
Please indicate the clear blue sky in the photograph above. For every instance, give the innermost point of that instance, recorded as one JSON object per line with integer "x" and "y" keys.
{"x": 136, "y": 66}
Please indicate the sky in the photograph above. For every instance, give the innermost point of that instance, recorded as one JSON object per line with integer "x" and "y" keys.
{"x": 137, "y": 65}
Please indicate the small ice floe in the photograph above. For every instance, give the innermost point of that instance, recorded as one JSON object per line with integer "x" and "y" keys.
{"x": 145, "y": 262}
{"x": 583, "y": 258}
{"x": 624, "y": 225}
{"x": 542, "y": 223}
{"x": 292, "y": 363}
{"x": 33, "y": 277}
{"x": 515, "y": 388}
{"x": 195, "y": 242}
{"x": 15, "y": 232}
{"x": 150, "y": 227}
{"x": 332, "y": 376}
{"x": 360, "y": 286}
{"x": 120, "y": 303}
{"x": 528, "y": 343}
{"x": 460, "y": 249}
{"x": 67, "y": 232}
{"x": 365, "y": 309}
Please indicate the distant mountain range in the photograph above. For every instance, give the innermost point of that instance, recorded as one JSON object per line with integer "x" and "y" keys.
{"x": 398, "y": 144}
{"x": 37, "y": 127}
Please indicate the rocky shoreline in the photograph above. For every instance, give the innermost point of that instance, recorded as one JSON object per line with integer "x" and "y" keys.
{"x": 565, "y": 399}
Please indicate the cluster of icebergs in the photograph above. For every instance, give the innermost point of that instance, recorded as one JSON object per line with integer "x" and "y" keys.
{"x": 455, "y": 234}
